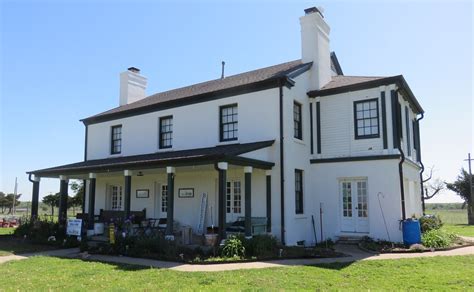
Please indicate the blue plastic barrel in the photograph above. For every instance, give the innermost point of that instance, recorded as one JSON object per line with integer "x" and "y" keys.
{"x": 411, "y": 231}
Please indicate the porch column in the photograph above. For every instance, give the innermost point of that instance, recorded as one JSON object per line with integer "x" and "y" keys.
{"x": 170, "y": 207}
{"x": 248, "y": 201}
{"x": 222, "y": 167}
{"x": 63, "y": 190}
{"x": 269, "y": 200}
{"x": 35, "y": 197}
{"x": 90, "y": 212}
{"x": 127, "y": 193}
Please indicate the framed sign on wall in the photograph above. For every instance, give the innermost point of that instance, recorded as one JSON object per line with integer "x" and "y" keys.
{"x": 143, "y": 194}
{"x": 186, "y": 193}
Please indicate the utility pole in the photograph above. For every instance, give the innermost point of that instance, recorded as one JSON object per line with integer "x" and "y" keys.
{"x": 469, "y": 159}
{"x": 14, "y": 196}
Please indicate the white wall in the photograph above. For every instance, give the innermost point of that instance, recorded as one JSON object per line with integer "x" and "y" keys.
{"x": 325, "y": 188}
{"x": 186, "y": 210}
{"x": 194, "y": 126}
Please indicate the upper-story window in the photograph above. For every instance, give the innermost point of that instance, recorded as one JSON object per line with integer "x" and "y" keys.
{"x": 166, "y": 132}
{"x": 116, "y": 140}
{"x": 228, "y": 123}
{"x": 297, "y": 121}
{"x": 366, "y": 119}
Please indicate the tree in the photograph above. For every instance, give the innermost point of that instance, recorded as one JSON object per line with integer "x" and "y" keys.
{"x": 52, "y": 201}
{"x": 461, "y": 187}
{"x": 78, "y": 198}
{"x": 432, "y": 187}
{"x": 3, "y": 201}
{"x": 9, "y": 199}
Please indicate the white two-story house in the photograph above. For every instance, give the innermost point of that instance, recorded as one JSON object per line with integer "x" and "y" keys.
{"x": 295, "y": 143}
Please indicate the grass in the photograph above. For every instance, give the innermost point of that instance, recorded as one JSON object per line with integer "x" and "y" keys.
{"x": 6, "y": 231}
{"x": 455, "y": 221}
{"x": 9, "y": 246}
{"x": 447, "y": 273}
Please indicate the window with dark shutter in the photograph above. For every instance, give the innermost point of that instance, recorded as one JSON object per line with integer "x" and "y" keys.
{"x": 116, "y": 140}
{"x": 228, "y": 123}
{"x": 297, "y": 121}
{"x": 166, "y": 132}
{"x": 366, "y": 119}
{"x": 298, "y": 191}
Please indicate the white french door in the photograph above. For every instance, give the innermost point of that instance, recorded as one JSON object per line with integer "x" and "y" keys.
{"x": 116, "y": 198}
{"x": 234, "y": 200}
{"x": 354, "y": 206}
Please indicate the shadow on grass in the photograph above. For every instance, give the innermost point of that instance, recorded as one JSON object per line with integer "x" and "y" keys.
{"x": 10, "y": 244}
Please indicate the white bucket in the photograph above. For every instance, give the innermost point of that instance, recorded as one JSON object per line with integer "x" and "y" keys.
{"x": 98, "y": 228}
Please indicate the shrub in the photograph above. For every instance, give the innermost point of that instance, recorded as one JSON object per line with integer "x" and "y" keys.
{"x": 233, "y": 247}
{"x": 39, "y": 231}
{"x": 430, "y": 222}
{"x": 438, "y": 238}
{"x": 261, "y": 246}
{"x": 150, "y": 246}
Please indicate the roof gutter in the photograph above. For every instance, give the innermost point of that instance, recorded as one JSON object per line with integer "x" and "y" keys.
{"x": 402, "y": 154}
{"x": 282, "y": 168}
{"x": 418, "y": 147}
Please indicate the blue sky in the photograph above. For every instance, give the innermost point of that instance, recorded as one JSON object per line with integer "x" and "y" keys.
{"x": 60, "y": 62}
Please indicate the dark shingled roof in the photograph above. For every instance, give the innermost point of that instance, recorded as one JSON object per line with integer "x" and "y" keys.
{"x": 342, "y": 84}
{"x": 247, "y": 78}
{"x": 340, "y": 81}
{"x": 174, "y": 158}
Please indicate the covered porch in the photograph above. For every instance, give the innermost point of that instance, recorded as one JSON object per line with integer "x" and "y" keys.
{"x": 193, "y": 189}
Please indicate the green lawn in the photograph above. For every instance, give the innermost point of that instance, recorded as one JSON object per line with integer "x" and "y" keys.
{"x": 4, "y": 231}
{"x": 455, "y": 221}
{"x": 10, "y": 246}
{"x": 44, "y": 273}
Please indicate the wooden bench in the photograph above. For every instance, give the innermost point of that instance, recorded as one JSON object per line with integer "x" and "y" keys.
{"x": 107, "y": 216}
{"x": 258, "y": 226}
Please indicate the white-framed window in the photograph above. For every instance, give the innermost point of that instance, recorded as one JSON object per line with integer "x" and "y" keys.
{"x": 234, "y": 197}
{"x": 346, "y": 199}
{"x": 362, "y": 205}
{"x": 164, "y": 198}
{"x": 116, "y": 198}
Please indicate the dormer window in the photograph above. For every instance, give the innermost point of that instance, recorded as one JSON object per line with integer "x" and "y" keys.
{"x": 366, "y": 119}
{"x": 228, "y": 123}
{"x": 166, "y": 132}
{"x": 116, "y": 140}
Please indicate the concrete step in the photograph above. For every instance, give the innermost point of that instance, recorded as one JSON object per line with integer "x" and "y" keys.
{"x": 346, "y": 239}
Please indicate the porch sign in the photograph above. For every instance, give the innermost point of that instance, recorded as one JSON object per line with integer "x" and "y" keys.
{"x": 186, "y": 193}
{"x": 74, "y": 227}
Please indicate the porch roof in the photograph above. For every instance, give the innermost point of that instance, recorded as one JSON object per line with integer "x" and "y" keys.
{"x": 199, "y": 156}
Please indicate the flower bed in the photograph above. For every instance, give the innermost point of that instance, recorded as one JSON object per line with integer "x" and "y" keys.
{"x": 236, "y": 249}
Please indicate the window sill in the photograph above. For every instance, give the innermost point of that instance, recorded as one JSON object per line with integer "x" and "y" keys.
{"x": 299, "y": 141}
{"x": 221, "y": 143}
{"x": 115, "y": 155}
{"x": 164, "y": 149}
{"x": 300, "y": 216}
